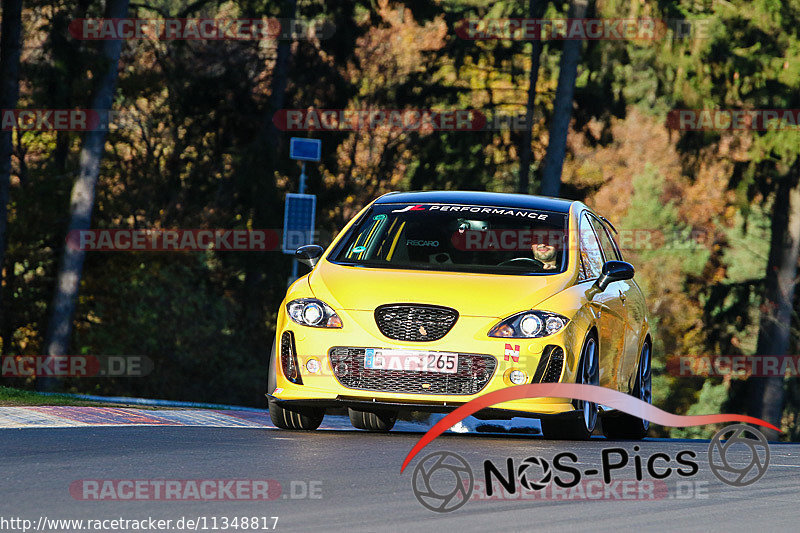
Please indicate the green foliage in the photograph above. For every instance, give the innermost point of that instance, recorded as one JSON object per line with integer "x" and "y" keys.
{"x": 710, "y": 401}
{"x": 748, "y": 245}
{"x": 173, "y": 311}
{"x": 671, "y": 244}
{"x": 731, "y": 307}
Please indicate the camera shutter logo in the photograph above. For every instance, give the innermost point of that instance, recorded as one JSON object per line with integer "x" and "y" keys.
{"x": 443, "y": 482}
{"x": 526, "y": 467}
{"x": 730, "y": 469}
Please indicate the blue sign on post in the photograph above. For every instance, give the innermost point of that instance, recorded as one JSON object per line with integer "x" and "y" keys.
{"x": 305, "y": 149}
{"x": 298, "y": 221}
{"x": 298, "y": 217}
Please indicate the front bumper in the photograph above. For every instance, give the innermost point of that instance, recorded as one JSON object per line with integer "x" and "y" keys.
{"x": 324, "y": 389}
{"x": 502, "y": 411}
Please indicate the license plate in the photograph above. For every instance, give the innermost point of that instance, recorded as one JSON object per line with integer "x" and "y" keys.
{"x": 411, "y": 360}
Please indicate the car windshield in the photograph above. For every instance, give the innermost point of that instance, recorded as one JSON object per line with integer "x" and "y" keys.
{"x": 461, "y": 238}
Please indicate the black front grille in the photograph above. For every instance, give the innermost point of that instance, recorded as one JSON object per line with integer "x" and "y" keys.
{"x": 473, "y": 373}
{"x": 415, "y": 322}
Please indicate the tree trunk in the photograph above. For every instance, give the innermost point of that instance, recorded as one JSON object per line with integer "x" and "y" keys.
{"x": 766, "y": 394}
{"x": 280, "y": 78}
{"x": 562, "y": 108}
{"x": 62, "y": 308}
{"x": 10, "y": 47}
{"x": 264, "y": 202}
{"x": 535, "y": 10}
{"x": 66, "y": 53}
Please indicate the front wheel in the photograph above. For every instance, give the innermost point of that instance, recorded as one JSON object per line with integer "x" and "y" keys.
{"x": 623, "y": 425}
{"x": 377, "y": 421}
{"x": 298, "y": 418}
{"x": 579, "y": 424}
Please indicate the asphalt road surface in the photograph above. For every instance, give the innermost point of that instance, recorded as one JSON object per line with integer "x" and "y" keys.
{"x": 355, "y": 481}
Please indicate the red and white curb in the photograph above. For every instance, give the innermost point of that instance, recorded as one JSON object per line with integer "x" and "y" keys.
{"x": 74, "y": 416}
{"x": 78, "y": 416}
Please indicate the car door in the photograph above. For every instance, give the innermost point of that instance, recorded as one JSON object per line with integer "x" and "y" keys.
{"x": 608, "y": 309}
{"x": 633, "y": 301}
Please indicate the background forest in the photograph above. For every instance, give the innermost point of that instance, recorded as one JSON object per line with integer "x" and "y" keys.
{"x": 199, "y": 149}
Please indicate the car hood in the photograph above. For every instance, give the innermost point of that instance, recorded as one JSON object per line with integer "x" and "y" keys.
{"x": 364, "y": 289}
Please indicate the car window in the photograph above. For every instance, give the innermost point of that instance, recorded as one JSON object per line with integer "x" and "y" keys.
{"x": 591, "y": 255}
{"x": 462, "y": 238}
{"x": 606, "y": 244}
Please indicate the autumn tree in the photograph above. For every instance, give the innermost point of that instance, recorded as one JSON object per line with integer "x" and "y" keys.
{"x": 82, "y": 203}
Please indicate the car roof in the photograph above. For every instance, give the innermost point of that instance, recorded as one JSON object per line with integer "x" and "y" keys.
{"x": 522, "y": 201}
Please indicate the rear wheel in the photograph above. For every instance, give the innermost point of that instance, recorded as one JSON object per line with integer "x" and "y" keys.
{"x": 372, "y": 421}
{"x": 299, "y": 418}
{"x": 623, "y": 425}
{"x": 579, "y": 424}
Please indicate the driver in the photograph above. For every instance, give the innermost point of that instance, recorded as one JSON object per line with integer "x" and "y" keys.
{"x": 546, "y": 254}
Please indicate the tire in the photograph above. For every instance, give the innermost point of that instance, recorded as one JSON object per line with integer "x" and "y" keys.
{"x": 579, "y": 424}
{"x": 623, "y": 425}
{"x": 372, "y": 421}
{"x": 297, "y": 418}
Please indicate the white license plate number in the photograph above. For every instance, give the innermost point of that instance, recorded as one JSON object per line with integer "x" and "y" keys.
{"x": 411, "y": 360}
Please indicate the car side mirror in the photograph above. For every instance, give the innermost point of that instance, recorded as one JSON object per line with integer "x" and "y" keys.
{"x": 613, "y": 271}
{"x": 309, "y": 254}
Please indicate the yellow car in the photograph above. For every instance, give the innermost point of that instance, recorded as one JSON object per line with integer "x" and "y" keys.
{"x": 428, "y": 299}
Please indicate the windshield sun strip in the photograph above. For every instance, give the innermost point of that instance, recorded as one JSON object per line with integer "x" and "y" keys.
{"x": 394, "y": 242}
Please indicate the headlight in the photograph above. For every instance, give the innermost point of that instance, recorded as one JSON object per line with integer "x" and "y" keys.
{"x": 529, "y": 325}
{"x": 314, "y": 313}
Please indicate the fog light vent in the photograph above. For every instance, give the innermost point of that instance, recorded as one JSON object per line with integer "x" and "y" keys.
{"x": 291, "y": 369}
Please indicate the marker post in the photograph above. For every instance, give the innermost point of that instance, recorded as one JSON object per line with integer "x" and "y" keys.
{"x": 298, "y": 216}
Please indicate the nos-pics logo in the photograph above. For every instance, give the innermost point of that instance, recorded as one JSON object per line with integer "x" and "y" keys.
{"x": 731, "y": 441}
{"x": 443, "y": 481}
